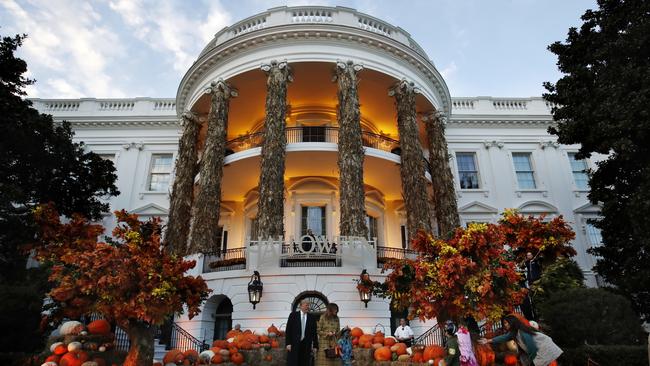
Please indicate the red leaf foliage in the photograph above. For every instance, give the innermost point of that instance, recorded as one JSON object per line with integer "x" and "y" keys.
{"x": 129, "y": 279}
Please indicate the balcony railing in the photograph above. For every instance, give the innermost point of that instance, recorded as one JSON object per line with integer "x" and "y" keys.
{"x": 227, "y": 260}
{"x": 385, "y": 254}
{"x": 296, "y": 257}
{"x": 311, "y": 134}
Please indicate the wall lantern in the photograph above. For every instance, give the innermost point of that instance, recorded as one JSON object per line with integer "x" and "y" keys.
{"x": 255, "y": 287}
{"x": 365, "y": 287}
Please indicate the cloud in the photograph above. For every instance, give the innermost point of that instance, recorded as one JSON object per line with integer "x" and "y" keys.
{"x": 169, "y": 28}
{"x": 68, "y": 42}
{"x": 449, "y": 70}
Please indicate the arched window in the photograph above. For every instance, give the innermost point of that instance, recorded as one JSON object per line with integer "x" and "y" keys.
{"x": 222, "y": 319}
{"x": 317, "y": 302}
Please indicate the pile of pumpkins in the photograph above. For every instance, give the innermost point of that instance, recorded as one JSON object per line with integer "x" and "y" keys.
{"x": 386, "y": 348}
{"x": 232, "y": 350}
{"x": 80, "y": 345}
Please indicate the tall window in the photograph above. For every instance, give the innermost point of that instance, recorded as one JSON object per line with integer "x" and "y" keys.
{"x": 160, "y": 172}
{"x": 467, "y": 172}
{"x": 579, "y": 168}
{"x": 524, "y": 170}
{"x": 254, "y": 228}
{"x": 313, "y": 218}
{"x": 222, "y": 238}
{"x": 593, "y": 235}
{"x": 403, "y": 237}
{"x": 371, "y": 224}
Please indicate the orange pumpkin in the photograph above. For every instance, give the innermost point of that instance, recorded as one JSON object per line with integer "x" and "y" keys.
{"x": 554, "y": 363}
{"x": 366, "y": 338}
{"x": 433, "y": 352}
{"x": 233, "y": 333}
{"x": 510, "y": 360}
{"x": 355, "y": 341}
{"x": 172, "y": 356}
{"x": 264, "y": 339}
{"x": 220, "y": 344}
{"x": 61, "y": 349}
{"x": 356, "y": 332}
{"x": 232, "y": 349}
{"x": 273, "y": 329}
{"x": 191, "y": 355}
{"x": 389, "y": 341}
{"x": 74, "y": 358}
{"x": 53, "y": 358}
{"x": 245, "y": 345}
{"x": 275, "y": 344}
{"x": 378, "y": 338}
{"x": 216, "y": 359}
{"x": 99, "y": 326}
{"x": 418, "y": 357}
{"x": 237, "y": 358}
{"x": 383, "y": 354}
{"x": 399, "y": 348}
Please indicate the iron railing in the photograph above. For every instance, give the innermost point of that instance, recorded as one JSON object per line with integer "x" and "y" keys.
{"x": 384, "y": 254}
{"x": 313, "y": 134}
{"x": 178, "y": 338}
{"x": 227, "y": 260}
{"x": 311, "y": 260}
{"x": 434, "y": 336}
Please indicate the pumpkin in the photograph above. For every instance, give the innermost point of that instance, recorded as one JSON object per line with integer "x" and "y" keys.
{"x": 191, "y": 355}
{"x": 100, "y": 361}
{"x": 275, "y": 344}
{"x": 91, "y": 346}
{"x": 53, "y": 358}
{"x": 418, "y": 357}
{"x": 389, "y": 341}
{"x": 233, "y": 333}
{"x": 403, "y": 358}
{"x": 438, "y": 361}
{"x": 399, "y": 348}
{"x": 232, "y": 349}
{"x": 172, "y": 356}
{"x": 74, "y": 358}
{"x": 206, "y": 356}
{"x": 377, "y": 345}
{"x": 60, "y": 349}
{"x": 264, "y": 339}
{"x": 224, "y": 352}
{"x": 554, "y": 363}
{"x": 355, "y": 341}
{"x": 237, "y": 358}
{"x": 485, "y": 355}
{"x": 53, "y": 346}
{"x": 220, "y": 344}
{"x": 99, "y": 326}
{"x": 74, "y": 346}
{"x": 378, "y": 338}
{"x": 71, "y": 327}
{"x": 366, "y": 338}
{"x": 356, "y": 332}
{"x": 433, "y": 352}
{"x": 510, "y": 360}
{"x": 216, "y": 359}
{"x": 272, "y": 329}
{"x": 367, "y": 345}
{"x": 383, "y": 354}
{"x": 49, "y": 363}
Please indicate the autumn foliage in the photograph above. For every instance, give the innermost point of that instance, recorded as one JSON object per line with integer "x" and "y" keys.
{"x": 128, "y": 279}
{"x": 474, "y": 273}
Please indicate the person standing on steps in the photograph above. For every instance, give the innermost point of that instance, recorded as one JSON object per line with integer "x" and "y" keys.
{"x": 404, "y": 333}
{"x": 301, "y": 336}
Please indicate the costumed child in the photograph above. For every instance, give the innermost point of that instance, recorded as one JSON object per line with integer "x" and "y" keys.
{"x": 453, "y": 352}
{"x": 345, "y": 346}
{"x": 467, "y": 357}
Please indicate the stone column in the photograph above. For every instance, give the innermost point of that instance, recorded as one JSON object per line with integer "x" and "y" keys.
{"x": 444, "y": 195}
{"x": 205, "y": 212}
{"x": 412, "y": 167}
{"x": 270, "y": 205}
{"x": 351, "y": 153}
{"x": 180, "y": 207}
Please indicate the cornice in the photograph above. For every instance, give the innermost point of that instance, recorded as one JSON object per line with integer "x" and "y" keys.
{"x": 500, "y": 121}
{"x": 320, "y": 32}
{"x": 122, "y": 123}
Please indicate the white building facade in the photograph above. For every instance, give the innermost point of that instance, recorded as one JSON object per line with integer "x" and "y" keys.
{"x": 501, "y": 157}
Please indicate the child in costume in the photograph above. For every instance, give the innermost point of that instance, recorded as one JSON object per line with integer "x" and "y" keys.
{"x": 345, "y": 344}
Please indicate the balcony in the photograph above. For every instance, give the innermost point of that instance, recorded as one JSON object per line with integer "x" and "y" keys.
{"x": 313, "y": 134}
{"x": 385, "y": 254}
{"x": 228, "y": 260}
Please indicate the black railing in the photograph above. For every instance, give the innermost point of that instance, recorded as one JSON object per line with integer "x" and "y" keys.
{"x": 384, "y": 254}
{"x": 178, "y": 338}
{"x": 296, "y": 259}
{"x": 433, "y": 336}
{"x": 313, "y": 134}
{"x": 227, "y": 260}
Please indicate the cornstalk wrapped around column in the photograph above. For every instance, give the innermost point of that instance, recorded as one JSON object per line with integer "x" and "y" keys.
{"x": 444, "y": 196}
{"x": 270, "y": 205}
{"x": 414, "y": 187}
{"x": 180, "y": 207}
{"x": 205, "y": 212}
{"x": 351, "y": 153}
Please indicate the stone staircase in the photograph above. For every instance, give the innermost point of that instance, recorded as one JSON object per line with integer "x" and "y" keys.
{"x": 158, "y": 351}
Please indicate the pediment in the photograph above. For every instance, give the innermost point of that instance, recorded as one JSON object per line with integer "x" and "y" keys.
{"x": 150, "y": 209}
{"x": 532, "y": 207}
{"x": 477, "y": 208}
{"x": 588, "y": 208}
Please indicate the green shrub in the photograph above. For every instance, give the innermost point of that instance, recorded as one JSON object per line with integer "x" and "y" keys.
{"x": 562, "y": 275}
{"x": 591, "y": 316}
{"x": 606, "y": 355}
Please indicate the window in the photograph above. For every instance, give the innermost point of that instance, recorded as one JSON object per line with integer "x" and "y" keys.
{"x": 371, "y": 224}
{"x": 404, "y": 241}
{"x": 160, "y": 173}
{"x": 254, "y": 228}
{"x": 222, "y": 238}
{"x": 579, "y": 168}
{"x": 314, "y": 219}
{"x": 593, "y": 235}
{"x": 467, "y": 172}
{"x": 313, "y": 134}
{"x": 524, "y": 170}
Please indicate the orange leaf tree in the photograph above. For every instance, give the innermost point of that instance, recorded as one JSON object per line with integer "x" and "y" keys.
{"x": 129, "y": 280}
{"x": 474, "y": 273}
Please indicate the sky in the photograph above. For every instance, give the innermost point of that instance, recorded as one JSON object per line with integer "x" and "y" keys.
{"x": 142, "y": 48}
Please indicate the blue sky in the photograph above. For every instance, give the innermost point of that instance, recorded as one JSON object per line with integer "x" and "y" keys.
{"x": 131, "y": 48}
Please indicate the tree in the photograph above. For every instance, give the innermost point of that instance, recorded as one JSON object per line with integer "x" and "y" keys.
{"x": 130, "y": 280}
{"x": 602, "y": 103}
{"x": 39, "y": 163}
{"x": 474, "y": 273}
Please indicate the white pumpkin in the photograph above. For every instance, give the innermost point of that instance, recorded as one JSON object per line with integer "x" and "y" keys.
{"x": 102, "y": 349}
{"x": 50, "y": 363}
{"x": 54, "y": 345}
{"x": 72, "y": 327}
{"x": 409, "y": 351}
{"x": 231, "y": 340}
{"x": 74, "y": 346}
{"x": 206, "y": 355}
{"x": 84, "y": 333}
{"x": 90, "y": 363}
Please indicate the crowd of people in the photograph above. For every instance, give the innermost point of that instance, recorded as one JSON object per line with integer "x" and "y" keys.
{"x": 323, "y": 343}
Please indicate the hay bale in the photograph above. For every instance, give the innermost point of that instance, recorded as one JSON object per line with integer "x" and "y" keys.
{"x": 363, "y": 356}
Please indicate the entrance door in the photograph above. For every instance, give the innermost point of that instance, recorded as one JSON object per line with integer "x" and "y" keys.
{"x": 317, "y": 303}
{"x": 223, "y": 319}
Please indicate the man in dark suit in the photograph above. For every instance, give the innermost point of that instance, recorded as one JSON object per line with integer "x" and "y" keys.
{"x": 301, "y": 336}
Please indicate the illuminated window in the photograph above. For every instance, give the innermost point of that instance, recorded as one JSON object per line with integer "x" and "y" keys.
{"x": 160, "y": 172}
